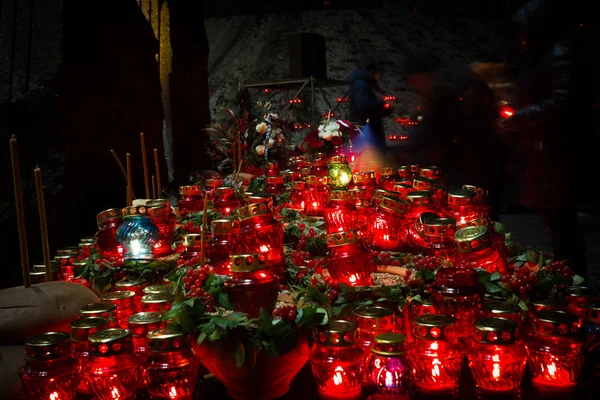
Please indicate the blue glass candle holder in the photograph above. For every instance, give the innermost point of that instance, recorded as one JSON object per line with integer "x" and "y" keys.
{"x": 137, "y": 234}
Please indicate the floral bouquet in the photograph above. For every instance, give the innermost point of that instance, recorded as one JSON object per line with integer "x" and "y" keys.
{"x": 329, "y": 136}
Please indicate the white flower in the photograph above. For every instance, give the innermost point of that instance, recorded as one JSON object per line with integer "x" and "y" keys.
{"x": 273, "y": 115}
{"x": 260, "y": 150}
{"x": 261, "y": 128}
{"x": 329, "y": 131}
{"x": 271, "y": 143}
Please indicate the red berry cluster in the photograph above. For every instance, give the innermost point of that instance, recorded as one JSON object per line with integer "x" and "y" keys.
{"x": 428, "y": 262}
{"x": 522, "y": 280}
{"x": 298, "y": 256}
{"x": 189, "y": 227}
{"x": 114, "y": 261}
{"x": 413, "y": 281}
{"x": 189, "y": 262}
{"x": 286, "y": 312}
{"x": 180, "y": 248}
{"x": 385, "y": 258}
{"x": 194, "y": 285}
{"x": 560, "y": 269}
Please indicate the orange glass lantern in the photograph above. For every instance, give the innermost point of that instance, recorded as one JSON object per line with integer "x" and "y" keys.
{"x": 222, "y": 244}
{"x": 191, "y": 199}
{"x": 432, "y": 235}
{"x": 157, "y": 302}
{"x": 388, "y": 372}
{"x": 106, "y": 237}
{"x": 225, "y": 200}
{"x": 348, "y": 261}
{"x": 462, "y": 207}
{"x": 125, "y": 303}
{"x": 388, "y": 178}
{"x": 386, "y": 229}
{"x": 436, "y": 356}
{"x": 297, "y": 195}
{"x": 50, "y": 373}
{"x": 316, "y": 195}
{"x": 496, "y": 358}
{"x": 555, "y": 352}
{"x": 474, "y": 249}
{"x": 261, "y": 233}
{"x": 340, "y": 212}
{"x": 81, "y": 328}
{"x": 337, "y": 361}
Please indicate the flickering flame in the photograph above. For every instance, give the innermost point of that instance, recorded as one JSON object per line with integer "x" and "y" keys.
{"x": 120, "y": 250}
{"x": 435, "y": 371}
{"x": 338, "y": 379}
{"x": 496, "y": 366}
{"x": 386, "y": 237}
{"x": 462, "y": 220}
{"x": 302, "y": 204}
{"x": 377, "y": 363}
{"x": 314, "y": 204}
{"x": 352, "y": 279}
{"x": 227, "y": 210}
{"x": 262, "y": 275}
{"x": 54, "y": 396}
{"x": 264, "y": 248}
{"x": 136, "y": 247}
{"x": 389, "y": 379}
{"x": 433, "y": 346}
{"x": 552, "y": 369}
{"x": 115, "y": 393}
{"x": 173, "y": 392}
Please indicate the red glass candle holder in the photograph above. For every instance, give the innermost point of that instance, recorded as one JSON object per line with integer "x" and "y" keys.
{"x": 458, "y": 293}
{"x": 111, "y": 372}
{"x": 415, "y": 309}
{"x": 316, "y": 195}
{"x": 431, "y": 172}
{"x": 191, "y": 199}
{"x": 421, "y": 183}
{"x": 297, "y": 195}
{"x": 388, "y": 178}
{"x": 102, "y": 310}
{"x": 140, "y": 325}
{"x": 337, "y": 362}
{"x": 474, "y": 249}
{"x": 340, "y": 212}
{"x": 348, "y": 261}
{"x": 419, "y": 202}
{"x": 432, "y": 235}
{"x": 436, "y": 355}
{"x": 225, "y": 200}
{"x": 536, "y": 306}
{"x": 272, "y": 169}
{"x": 157, "y": 302}
{"x": 289, "y": 176}
{"x": 365, "y": 181}
{"x": 402, "y": 190}
{"x": 50, "y": 373}
{"x": 259, "y": 197}
{"x": 85, "y": 247}
{"x": 592, "y": 340}
{"x": 274, "y": 185}
{"x": 379, "y": 194}
{"x": 223, "y": 244}
{"x": 135, "y": 285}
{"x": 462, "y": 207}
{"x": 67, "y": 269}
{"x": 496, "y": 359}
{"x": 171, "y": 369}
{"x": 155, "y": 289}
{"x": 363, "y": 213}
{"x": 555, "y": 351}
{"x": 253, "y": 285}
{"x": 261, "y": 233}
{"x": 211, "y": 186}
{"x": 481, "y": 199}
{"x": 125, "y": 303}
{"x": 106, "y": 237}
{"x": 388, "y": 372}
{"x": 81, "y": 328}
{"x": 493, "y": 309}
{"x": 371, "y": 321}
{"x": 385, "y": 228}
{"x": 319, "y": 165}
{"x": 404, "y": 173}
{"x": 164, "y": 220}
{"x": 192, "y": 249}
{"x": 578, "y": 301}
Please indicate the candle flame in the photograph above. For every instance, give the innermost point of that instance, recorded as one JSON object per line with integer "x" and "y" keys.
{"x": 264, "y": 249}
{"x": 227, "y": 210}
{"x": 552, "y": 369}
{"x": 173, "y": 392}
{"x": 352, "y": 279}
{"x": 54, "y": 396}
{"x": 115, "y": 393}
{"x": 433, "y": 346}
{"x": 262, "y": 275}
{"x": 302, "y": 204}
{"x": 120, "y": 250}
{"x": 389, "y": 380}
{"x": 338, "y": 379}
{"x": 314, "y": 204}
{"x": 435, "y": 371}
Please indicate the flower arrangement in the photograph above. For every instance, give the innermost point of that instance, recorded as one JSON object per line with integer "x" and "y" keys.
{"x": 328, "y": 136}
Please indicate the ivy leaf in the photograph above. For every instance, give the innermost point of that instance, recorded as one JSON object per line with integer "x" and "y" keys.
{"x": 499, "y": 228}
{"x": 578, "y": 280}
{"x": 492, "y": 287}
{"x": 495, "y": 277}
{"x": 171, "y": 314}
{"x": 344, "y": 287}
{"x": 310, "y": 316}
{"x": 417, "y": 298}
{"x": 239, "y": 354}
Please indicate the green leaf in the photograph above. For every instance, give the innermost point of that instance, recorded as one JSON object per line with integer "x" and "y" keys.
{"x": 540, "y": 262}
{"x": 201, "y": 337}
{"x": 187, "y": 323}
{"x": 171, "y": 314}
{"x": 492, "y": 287}
{"x": 417, "y": 298}
{"x": 578, "y": 280}
{"x": 531, "y": 257}
{"x": 523, "y": 305}
{"x": 310, "y": 316}
{"x": 495, "y": 277}
{"x": 239, "y": 354}
{"x": 224, "y": 300}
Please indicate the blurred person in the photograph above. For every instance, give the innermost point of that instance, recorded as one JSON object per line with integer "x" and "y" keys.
{"x": 554, "y": 119}
{"x": 457, "y": 132}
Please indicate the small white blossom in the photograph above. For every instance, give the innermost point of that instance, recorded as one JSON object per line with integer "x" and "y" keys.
{"x": 261, "y": 128}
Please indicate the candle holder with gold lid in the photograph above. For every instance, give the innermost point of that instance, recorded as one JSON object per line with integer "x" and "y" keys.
{"x": 504, "y": 309}
{"x": 85, "y": 247}
{"x": 430, "y": 172}
{"x": 436, "y": 355}
{"x": 274, "y": 185}
{"x": 386, "y": 227}
{"x": 366, "y": 181}
{"x": 481, "y": 199}
{"x": 422, "y": 183}
{"x": 225, "y": 201}
{"x": 347, "y": 260}
{"x": 555, "y": 351}
{"x": 138, "y": 235}
{"x": 337, "y": 361}
{"x": 124, "y": 300}
{"x": 319, "y": 165}
{"x": 475, "y": 249}
{"x": 316, "y": 195}
{"x": 419, "y": 202}
{"x": 106, "y": 237}
{"x": 140, "y": 325}
{"x": 591, "y": 328}
{"x": 462, "y": 207}
{"x": 339, "y": 174}
{"x": 578, "y": 299}
{"x": 496, "y": 358}
{"x": 261, "y": 233}
{"x": 67, "y": 269}
{"x": 81, "y": 328}
{"x": 222, "y": 244}
{"x": 171, "y": 369}
{"x": 432, "y": 235}
{"x": 162, "y": 288}
{"x": 259, "y": 197}
{"x": 272, "y": 169}
{"x": 404, "y": 172}
{"x": 290, "y": 176}
{"x": 136, "y": 285}
{"x": 371, "y": 321}
{"x": 191, "y": 249}
{"x": 402, "y": 189}
{"x": 111, "y": 372}
{"x": 340, "y": 212}
{"x": 164, "y": 220}
{"x": 388, "y": 179}
{"x": 297, "y": 195}
{"x": 210, "y": 187}
{"x": 252, "y": 286}
{"x": 49, "y": 371}
{"x": 191, "y": 199}
{"x": 388, "y": 372}
{"x": 157, "y": 302}
{"x": 103, "y": 310}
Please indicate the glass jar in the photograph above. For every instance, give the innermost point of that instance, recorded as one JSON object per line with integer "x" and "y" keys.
{"x": 138, "y": 235}
{"x": 348, "y": 261}
{"x": 102, "y": 310}
{"x": 340, "y": 212}
{"x": 404, "y": 173}
{"x": 462, "y": 207}
{"x": 555, "y": 351}
{"x": 67, "y": 269}
{"x": 71, "y": 251}
{"x": 259, "y": 197}
{"x": 272, "y": 169}
{"x": 192, "y": 249}
{"x": 337, "y": 361}
{"x": 316, "y": 195}
{"x": 164, "y": 220}
{"x": 458, "y": 293}
{"x": 261, "y": 233}
{"x": 592, "y": 340}
{"x": 297, "y": 195}
{"x": 191, "y": 199}
{"x": 379, "y": 194}
{"x": 496, "y": 359}
{"x": 578, "y": 300}
{"x": 211, "y": 186}
{"x": 274, "y": 185}
{"x": 371, "y": 321}
{"x": 363, "y": 211}
{"x": 432, "y": 235}
{"x": 157, "y": 302}
{"x": 419, "y": 202}
{"x": 436, "y": 355}
{"x": 388, "y": 372}
{"x": 365, "y": 181}
{"x": 135, "y": 285}
{"x": 49, "y": 371}
{"x": 339, "y": 175}
{"x": 106, "y": 237}
{"x": 402, "y": 190}
{"x": 171, "y": 369}
{"x": 493, "y": 309}
{"x": 154, "y": 289}
{"x": 388, "y": 179}
{"x": 85, "y": 247}
{"x": 385, "y": 228}
{"x": 225, "y": 201}
{"x": 416, "y": 308}
{"x": 421, "y": 183}
{"x": 222, "y": 244}
{"x": 125, "y": 303}
{"x": 440, "y": 196}
{"x": 535, "y": 306}
{"x": 81, "y": 328}
{"x": 253, "y": 285}
{"x": 111, "y": 372}
{"x": 481, "y": 199}
{"x": 431, "y": 172}
{"x": 319, "y": 165}
{"x": 140, "y": 325}
{"x": 474, "y": 249}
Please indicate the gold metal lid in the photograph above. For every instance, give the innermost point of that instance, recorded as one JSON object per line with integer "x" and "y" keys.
{"x": 224, "y": 191}
{"x": 461, "y": 197}
{"x": 298, "y": 185}
{"x": 393, "y": 204}
{"x": 88, "y": 323}
{"x": 431, "y": 172}
{"x": 434, "y": 326}
{"x": 555, "y": 323}
{"x": 288, "y": 174}
{"x": 68, "y": 251}
{"x": 432, "y": 225}
{"x": 498, "y": 308}
{"x": 158, "y": 298}
{"x": 337, "y": 333}
{"x": 420, "y": 197}
{"x": 362, "y": 203}
{"x": 414, "y": 168}
{"x": 109, "y": 335}
{"x": 305, "y": 171}
{"x": 118, "y": 295}
{"x": 260, "y": 197}
{"x": 63, "y": 258}
{"x": 159, "y": 203}
{"x": 89, "y": 240}
{"x": 253, "y": 210}
{"x": 361, "y": 194}
{"x": 145, "y": 318}
{"x": 272, "y": 165}
{"x": 274, "y": 180}
{"x": 341, "y": 194}
{"x": 224, "y": 226}
{"x": 110, "y": 342}
{"x": 316, "y": 180}
{"x": 166, "y": 340}
{"x": 372, "y": 312}
{"x": 214, "y": 182}
{"x": 39, "y": 268}
{"x": 161, "y": 211}
{"x": 130, "y": 282}
{"x": 593, "y": 313}
{"x": 342, "y": 238}
{"x": 472, "y": 239}
{"x": 579, "y": 291}
{"x": 158, "y": 289}
{"x": 339, "y": 159}
{"x": 379, "y": 193}
{"x": 249, "y": 262}
{"x": 404, "y": 171}
{"x": 495, "y": 330}
{"x": 389, "y": 344}
{"x": 363, "y": 177}
{"x": 387, "y": 171}
{"x": 106, "y": 215}
{"x": 403, "y": 189}
{"x": 48, "y": 346}
{"x": 191, "y": 190}
{"x": 81, "y": 263}
{"x": 422, "y": 183}
{"x": 192, "y": 239}
{"x": 480, "y": 193}
{"x": 136, "y": 211}
{"x": 97, "y": 308}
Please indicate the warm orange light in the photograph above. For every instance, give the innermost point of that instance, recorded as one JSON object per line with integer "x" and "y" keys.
{"x": 496, "y": 366}
{"x": 54, "y": 396}
{"x": 433, "y": 346}
{"x": 352, "y": 279}
{"x": 115, "y": 393}
{"x": 435, "y": 371}
{"x": 173, "y": 392}
{"x": 264, "y": 248}
{"x": 338, "y": 378}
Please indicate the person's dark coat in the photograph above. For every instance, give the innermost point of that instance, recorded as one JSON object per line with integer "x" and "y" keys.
{"x": 364, "y": 102}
